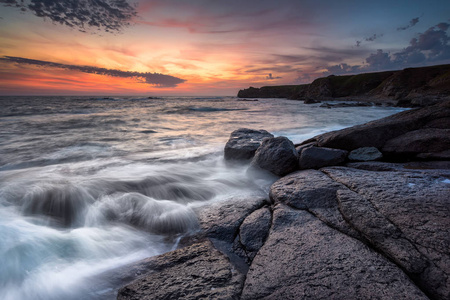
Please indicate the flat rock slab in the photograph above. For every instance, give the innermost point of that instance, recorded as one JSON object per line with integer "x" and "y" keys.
{"x": 305, "y": 259}
{"x": 243, "y": 143}
{"x": 196, "y": 272}
{"x": 365, "y": 154}
{"x": 404, "y": 214}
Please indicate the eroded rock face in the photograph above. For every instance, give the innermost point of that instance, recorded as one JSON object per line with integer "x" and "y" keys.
{"x": 365, "y": 154}
{"x": 196, "y": 272}
{"x": 315, "y": 157}
{"x": 277, "y": 155}
{"x": 243, "y": 143}
{"x": 305, "y": 259}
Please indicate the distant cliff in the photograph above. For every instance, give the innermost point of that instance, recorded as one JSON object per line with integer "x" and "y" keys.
{"x": 408, "y": 87}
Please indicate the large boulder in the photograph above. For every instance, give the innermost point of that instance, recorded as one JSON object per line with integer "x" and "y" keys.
{"x": 365, "y": 154}
{"x": 413, "y": 143}
{"x": 305, "y": 259}
{"x": 315, "y": 157}
{"x": 277, "y": 155}
{"x": 377, "y": 133}
{"x": 196, "y": 272}
{"x": 405, "y": 215}
{"x": 243, "y": 143}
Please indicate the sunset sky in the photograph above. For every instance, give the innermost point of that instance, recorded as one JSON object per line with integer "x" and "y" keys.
{"x": 208, "y": 47}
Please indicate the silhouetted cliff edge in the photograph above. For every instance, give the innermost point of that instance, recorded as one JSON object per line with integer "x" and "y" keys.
{"x": 409, "y": 87}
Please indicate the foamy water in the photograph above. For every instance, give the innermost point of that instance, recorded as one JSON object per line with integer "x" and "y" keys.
{"x": 90, "y": 184}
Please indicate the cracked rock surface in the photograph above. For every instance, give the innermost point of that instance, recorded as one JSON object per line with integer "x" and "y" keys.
{"x": 371, "y": 231}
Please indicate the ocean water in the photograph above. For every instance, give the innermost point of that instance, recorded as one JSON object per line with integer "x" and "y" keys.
{"x": 90, "y": 184}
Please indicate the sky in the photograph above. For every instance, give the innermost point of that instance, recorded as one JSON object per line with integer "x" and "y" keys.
{"x": 209, "y": 47}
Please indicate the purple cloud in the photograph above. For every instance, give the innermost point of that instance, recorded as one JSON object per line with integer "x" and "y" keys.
{"x": 156, "y": 79}
{"x": 270, "y": 77}
{"x": 107, "y": 15}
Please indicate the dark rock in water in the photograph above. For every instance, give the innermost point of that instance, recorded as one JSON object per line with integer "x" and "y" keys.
{"x": 405, "y": 215}
{"x": 377, "y": 133}
{"x": 365, "y": 154}
{"x": 429, "y": 140}
{"x": 277, "y": 155}
{"x": 305, "y": 259}
{"x": 345, "y": 104}
{"x": 247, "y": 100}
{"x": 196, "y": 272}
{"x": 311, "y": 101}
{"x": 243, "y": 143}
{"x": 315, "y": 157}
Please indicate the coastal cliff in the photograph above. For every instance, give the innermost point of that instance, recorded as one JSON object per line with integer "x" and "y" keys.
{"x": 409, "y": 87}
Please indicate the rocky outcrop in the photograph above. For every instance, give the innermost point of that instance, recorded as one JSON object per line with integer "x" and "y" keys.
{"x": 196, "y": 272}
{"x": 277, "y": 155}
{"x": 316, "y": 158}
{"x": 243, "y": 143}
{"x": 409, "y": 87}
{"x": 364, "y": 230}
{"x": 403, "y": 126}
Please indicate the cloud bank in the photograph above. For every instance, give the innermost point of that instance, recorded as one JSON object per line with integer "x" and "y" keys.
{"x": 156, "y": 79}
{"x": 107, "y": 15}
{"x": 429, "y": 47}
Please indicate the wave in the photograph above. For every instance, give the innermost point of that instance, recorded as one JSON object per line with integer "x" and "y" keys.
{"x": 213, "y": 109}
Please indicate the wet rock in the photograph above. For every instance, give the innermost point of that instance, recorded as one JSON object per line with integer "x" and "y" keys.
{"x": 253, "y": 233}
{"x": 196, "y": 272}
{"x": 377, "y": 133}
{"x": 243, "y": 143}
{"x": 315, "y": 157}
{"x": 365, "y": 154}
{"x": 429, "y": 140}
{"x": 304, "y": 258}
{"x": 406, "y": 216}
{"x": 277, "y": 155}
{"x": 311, "y": 101}
{"x": 222, "y": 220}
{"x": 315, "y": 192}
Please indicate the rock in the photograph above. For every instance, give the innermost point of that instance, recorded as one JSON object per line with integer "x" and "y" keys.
{"x": 305, "y": 259}
{"x": 311, "y": 101}
{"x": 315, "y": 157}
{"x": 405, "y": 215}
{"x": 196, "y": 272}
{"x": 277, "y": 155}
{"x": 413, "y": 143}
{"x": 377, "y": 133}
{"x": 300, "y": 148}
{"x": 222, "y": 220}
{"x": 315, "y": 192}
{"x": 253, "y": 232}
{"x": 243, "y": 143}
{"x": 365, "y": 154}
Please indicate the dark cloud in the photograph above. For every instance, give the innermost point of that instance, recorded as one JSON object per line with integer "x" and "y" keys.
{"x": 427, "y": 48}
{"x": 412, "y": 23}
{"x": 156, "y": 79}
{"x": 270, "y": 77}
{"x": 107, "y": 15}
{"x": 369, "y": 39}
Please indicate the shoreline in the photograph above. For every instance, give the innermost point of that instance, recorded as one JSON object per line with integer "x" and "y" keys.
{"x": 345, "y": 229}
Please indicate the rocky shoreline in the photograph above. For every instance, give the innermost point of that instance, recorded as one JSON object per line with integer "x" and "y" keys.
{"x": 359, "y": 213}
{"x": 411, "y": 87}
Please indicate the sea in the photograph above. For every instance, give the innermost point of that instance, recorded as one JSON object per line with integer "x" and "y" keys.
{"x": 92, "y": 184}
